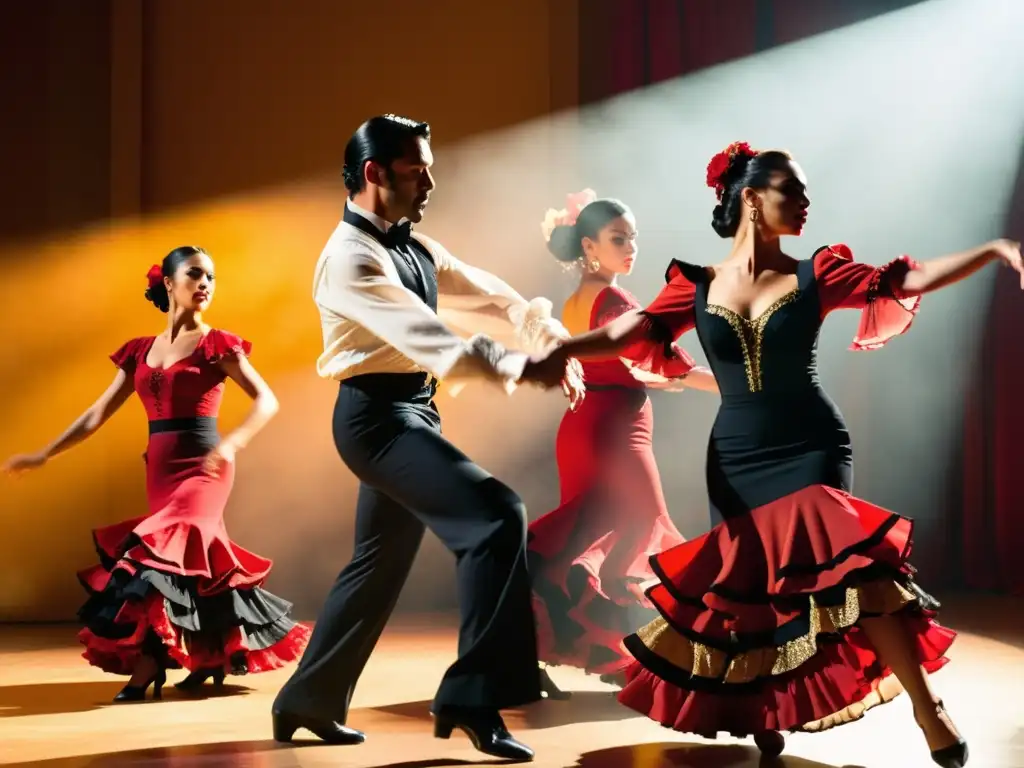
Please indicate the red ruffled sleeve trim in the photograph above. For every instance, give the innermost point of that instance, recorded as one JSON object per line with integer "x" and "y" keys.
{"x": 886, "y": 312}
{"x": 889, "y": 313}
{"x": 221, "y": 345}
{"x": 127, "y": 356}
{"x": 667, "y": 318}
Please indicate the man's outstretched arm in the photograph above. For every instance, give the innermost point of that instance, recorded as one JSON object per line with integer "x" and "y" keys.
{"x": 492, "y": 305}
{"x": 355, "y": 285}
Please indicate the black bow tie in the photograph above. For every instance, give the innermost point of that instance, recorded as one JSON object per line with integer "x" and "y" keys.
{"x": 398, "y": 235}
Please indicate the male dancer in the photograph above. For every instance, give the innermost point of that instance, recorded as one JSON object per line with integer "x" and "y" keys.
{"x": 377, "y": 287}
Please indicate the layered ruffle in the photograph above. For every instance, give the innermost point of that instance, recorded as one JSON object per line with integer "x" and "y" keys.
{"x": 889, "y": 313}
{"x": 150, "y": 595}
{"x": 758, "y": 626}
{"x": 174, "y": 546}
{"x": 583, "y": 604}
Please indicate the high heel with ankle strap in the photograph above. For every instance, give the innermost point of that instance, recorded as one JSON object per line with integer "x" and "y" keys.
{"x": 138, "y": 692}
{"x": 956, "y": 754}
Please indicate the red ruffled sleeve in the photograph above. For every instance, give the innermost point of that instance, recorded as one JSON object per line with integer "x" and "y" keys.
{"x": 846, "y": 284}
{"x": 668, "y": 317}
{"x": 221, "y": 345}
{"x": 127, "y": 356}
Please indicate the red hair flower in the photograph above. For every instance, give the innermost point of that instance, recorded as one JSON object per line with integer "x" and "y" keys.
{"x": 719, "y": 165}
{"x": 155, "y": 276}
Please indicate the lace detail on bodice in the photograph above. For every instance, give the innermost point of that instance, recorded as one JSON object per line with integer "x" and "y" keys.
{"x": 156, "y": 387}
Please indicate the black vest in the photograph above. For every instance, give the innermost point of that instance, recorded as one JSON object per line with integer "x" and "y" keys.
{"x": 415, "y": 265}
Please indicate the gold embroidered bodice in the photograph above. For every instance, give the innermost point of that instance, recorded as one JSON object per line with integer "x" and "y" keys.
{"x": 751, "y": 335}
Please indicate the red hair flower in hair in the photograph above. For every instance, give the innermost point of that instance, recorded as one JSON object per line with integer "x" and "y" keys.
{"x": 155, "y": 275}
{"x": 719, "y": 165}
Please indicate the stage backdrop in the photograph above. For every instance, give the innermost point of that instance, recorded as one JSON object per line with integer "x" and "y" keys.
{"x": 144, "y": 126}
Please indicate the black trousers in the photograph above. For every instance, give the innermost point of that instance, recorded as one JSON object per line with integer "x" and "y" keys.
{"x": 388, "y": 432}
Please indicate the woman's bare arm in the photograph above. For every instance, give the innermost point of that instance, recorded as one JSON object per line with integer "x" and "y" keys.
{"x": 264, "y": 404}
{"x": 120, "y": 389}
{"x": 937, "y": 273}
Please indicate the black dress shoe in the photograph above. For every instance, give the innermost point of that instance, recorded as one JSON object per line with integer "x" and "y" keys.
{"x": 330, "y": 731}
{"x": 485, "y": 729}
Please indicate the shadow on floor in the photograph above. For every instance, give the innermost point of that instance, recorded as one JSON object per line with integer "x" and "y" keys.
{"x": 583, "y": 707}
{"x": 230, "y": 753}
{"x": 66, "y": 698}
{"x": 677, "y": 755}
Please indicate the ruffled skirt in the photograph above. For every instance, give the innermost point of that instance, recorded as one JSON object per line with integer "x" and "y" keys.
{"x": 759, "y": 619}
{"x": 172, "y": 585}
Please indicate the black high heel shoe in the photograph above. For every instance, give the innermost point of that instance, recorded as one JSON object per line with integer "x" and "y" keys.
{"x": 138, "y": 692}
{"x": 953, "y": 756}
{"x": 196, "y": 679}
{"x": 548, "y": 688}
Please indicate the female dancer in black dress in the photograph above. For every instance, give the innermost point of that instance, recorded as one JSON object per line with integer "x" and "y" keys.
{"x": 799, "y": 610}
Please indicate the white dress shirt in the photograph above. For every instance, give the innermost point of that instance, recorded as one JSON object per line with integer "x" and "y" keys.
{"x": 372, "y": 323}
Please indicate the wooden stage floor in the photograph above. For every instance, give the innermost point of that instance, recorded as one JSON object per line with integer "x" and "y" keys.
{"x": 55, "y": 712}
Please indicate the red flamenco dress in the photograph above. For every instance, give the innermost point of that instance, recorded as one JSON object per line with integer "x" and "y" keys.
{"x": 171, "y": 584}
{"x": 758, "y": 628}
{"x": 589, "y": 557}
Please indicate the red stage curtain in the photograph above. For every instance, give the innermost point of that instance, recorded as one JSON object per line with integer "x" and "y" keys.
{"x": 627, "y": 44}
{"x": 992, "y": 526}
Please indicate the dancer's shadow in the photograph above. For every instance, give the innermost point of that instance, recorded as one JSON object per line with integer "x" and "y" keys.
{"x": 224, "y": 753}
{"x": 65, "y": 698}
{"x": 583, "y": 707}
{"x": 441, "y": 762}
{"x": 676, "y": 755}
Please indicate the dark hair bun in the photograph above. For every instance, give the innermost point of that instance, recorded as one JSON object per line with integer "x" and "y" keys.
{"x": 725, "y": 219}
{"x": 744, "y": 170}
{"x": 565, "y": 243}
{"x": 157, "y": 293}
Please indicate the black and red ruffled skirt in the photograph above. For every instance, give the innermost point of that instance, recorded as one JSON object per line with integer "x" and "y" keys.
{"x": 173, "y": 586}
{"x": 758, "y": 626}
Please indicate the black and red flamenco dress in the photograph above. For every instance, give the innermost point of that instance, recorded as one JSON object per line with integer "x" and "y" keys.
{"x": 171, "y": 584}
{"x": 589, "y": 557}
{"x": 758, "y": 628}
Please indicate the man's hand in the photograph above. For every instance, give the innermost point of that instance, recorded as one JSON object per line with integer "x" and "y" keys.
{"x": 548, "y": 371}
{"x": 557, "y": 369}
